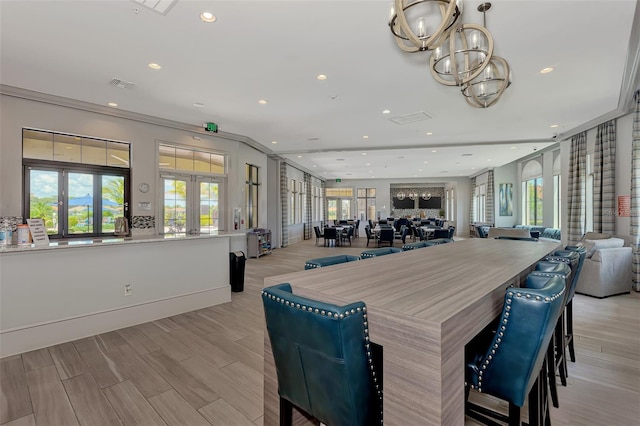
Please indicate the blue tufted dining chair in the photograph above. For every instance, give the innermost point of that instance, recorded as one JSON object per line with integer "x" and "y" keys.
{"x": 324, "y": 361}
{"x": 508, "y": 363}
{"x": 571, "y": 258}
{"x": 538, "y": 279}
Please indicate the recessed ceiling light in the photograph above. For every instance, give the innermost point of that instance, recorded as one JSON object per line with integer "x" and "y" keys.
{"x": 473, "y": 168}
{"x": 425, "y": 162}
{"x": 315, "y": 165}
{"x": 208, "y": 17}
{"x": 546, "y": 70}
{"x": 321, "y": 77}
{"x": 263, "y": 101}
{"x": 513, "y": 147}
{"x": 429, "y": 133}
{"x": 419, "y": 170}
{"x": 365, "y": 137}
{"x": 433, "y": 150}
{"x": 112, "y": 104}
{"x": 489, "y": 159}
{"x": 553, "y": 126}
{"x": 155, "y": 66}
{"x": 299, "y": 156}
{"x": 386, "y": 111}
{"x": 373, "y": 177}
{"x": 368, "y": 164}
{"x": 364, "y": 153}
{"x": 198, "y": 105}
{"x": 274, "y": 142}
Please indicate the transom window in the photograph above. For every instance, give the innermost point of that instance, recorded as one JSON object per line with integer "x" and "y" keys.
{"x": 78, "y": 185}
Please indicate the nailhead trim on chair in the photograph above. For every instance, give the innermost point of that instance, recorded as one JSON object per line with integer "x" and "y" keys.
{"x": 503, "y": 327}
{"x": 340, "y": 316}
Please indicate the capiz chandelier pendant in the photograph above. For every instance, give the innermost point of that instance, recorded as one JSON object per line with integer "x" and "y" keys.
{"x": 420, "y": 25}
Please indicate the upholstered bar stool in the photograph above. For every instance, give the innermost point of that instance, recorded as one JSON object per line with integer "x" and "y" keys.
{"x": 537, "y": 279}
{"x": 572, "y": 259}
{"x": 321, "y": 262}
{"x": 326, "y": 365}
{"x": 508, "y": 363}
{"x": 582, "y": 252}
{"x": 382, "y": 251}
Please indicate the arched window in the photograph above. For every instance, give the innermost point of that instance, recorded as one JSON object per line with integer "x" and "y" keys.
{"x": 532, "y": 193}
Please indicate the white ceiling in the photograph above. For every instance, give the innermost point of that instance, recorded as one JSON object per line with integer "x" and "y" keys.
{"x": 274, "y": 49}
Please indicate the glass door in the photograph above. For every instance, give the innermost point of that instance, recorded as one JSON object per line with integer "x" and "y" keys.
{"x": 191, "y": 204}
{"x": 208, "y": 212}
{"x": 345, "y": 210}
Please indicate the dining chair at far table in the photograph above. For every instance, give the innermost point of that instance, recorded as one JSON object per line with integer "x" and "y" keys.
{"x": 326, "y": 366}
{"x": 318, "y": 233}
{"x": 386, "y": 236}
{"x": 331, "y": 234}
{"x": 369, "y": 234}
{"x": 507, "y": 361}
{"x": 346, "y": 234}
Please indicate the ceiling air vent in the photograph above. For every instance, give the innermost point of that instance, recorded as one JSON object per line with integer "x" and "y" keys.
{"x": 161, "y": 6}
{"x": 414, "y": 117}
{"x": 121, "y": 84}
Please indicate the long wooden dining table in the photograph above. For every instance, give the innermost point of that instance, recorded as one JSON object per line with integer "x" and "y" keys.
{"x": 423, "y": 307}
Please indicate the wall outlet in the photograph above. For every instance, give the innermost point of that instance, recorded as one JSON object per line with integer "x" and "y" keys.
{"x": 128, "y": 290}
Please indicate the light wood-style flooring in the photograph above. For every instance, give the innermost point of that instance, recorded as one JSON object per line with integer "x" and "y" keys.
{"x": 205, "y": 367}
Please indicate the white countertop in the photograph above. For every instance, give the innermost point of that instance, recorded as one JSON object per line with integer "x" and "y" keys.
{"x": 103, "y": 241}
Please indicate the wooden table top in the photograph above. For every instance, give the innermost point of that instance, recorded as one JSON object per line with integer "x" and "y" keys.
{"x": 433, "y": 283}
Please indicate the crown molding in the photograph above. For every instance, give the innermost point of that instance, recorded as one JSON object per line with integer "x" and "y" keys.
{"x": 60, "y": 101}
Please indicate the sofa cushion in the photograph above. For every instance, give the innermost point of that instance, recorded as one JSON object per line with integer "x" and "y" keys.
{"x": 593, "y": 245}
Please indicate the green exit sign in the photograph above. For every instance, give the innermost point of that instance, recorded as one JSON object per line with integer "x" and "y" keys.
{"x": 338, "y": 180}
{"x": 211, "y": 127}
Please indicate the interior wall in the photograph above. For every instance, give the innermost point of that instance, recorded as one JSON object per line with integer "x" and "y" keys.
{"x": 17, "y": 113}
{"x": 462, "y": 186}
{"x": 624, "y": 139}
{"x": 274, "y": 209}
{"x": 506, "y": 174}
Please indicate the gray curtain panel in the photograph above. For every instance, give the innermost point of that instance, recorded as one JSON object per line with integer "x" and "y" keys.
{"x": 473, "y": 192}
{"x": 604, "y": 179}
{"x": 308, "y": 212}
{"x": 490, "y": 199}
{"x": 635, "y": 194}
{"x": 284, "y": 203}
{"x": 325, "y": 204}
{"x": 577, "y": 184}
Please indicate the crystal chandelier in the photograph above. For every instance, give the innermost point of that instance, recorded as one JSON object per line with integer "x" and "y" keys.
{"x": 420, "y": 25}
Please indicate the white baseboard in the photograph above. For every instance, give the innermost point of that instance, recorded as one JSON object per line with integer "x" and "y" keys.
{"x": 37, "y": 336}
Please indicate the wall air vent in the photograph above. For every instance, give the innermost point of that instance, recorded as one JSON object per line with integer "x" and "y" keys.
{"x": 121, "y": 84}
{"x": 414, "y": 117}
{"x": 161, "y": 6}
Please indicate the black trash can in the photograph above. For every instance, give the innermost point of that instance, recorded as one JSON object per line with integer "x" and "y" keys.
{"x": 236, "y": 270}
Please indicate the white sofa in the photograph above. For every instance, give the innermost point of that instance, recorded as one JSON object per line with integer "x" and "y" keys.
{"x": 607, "y": 267}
